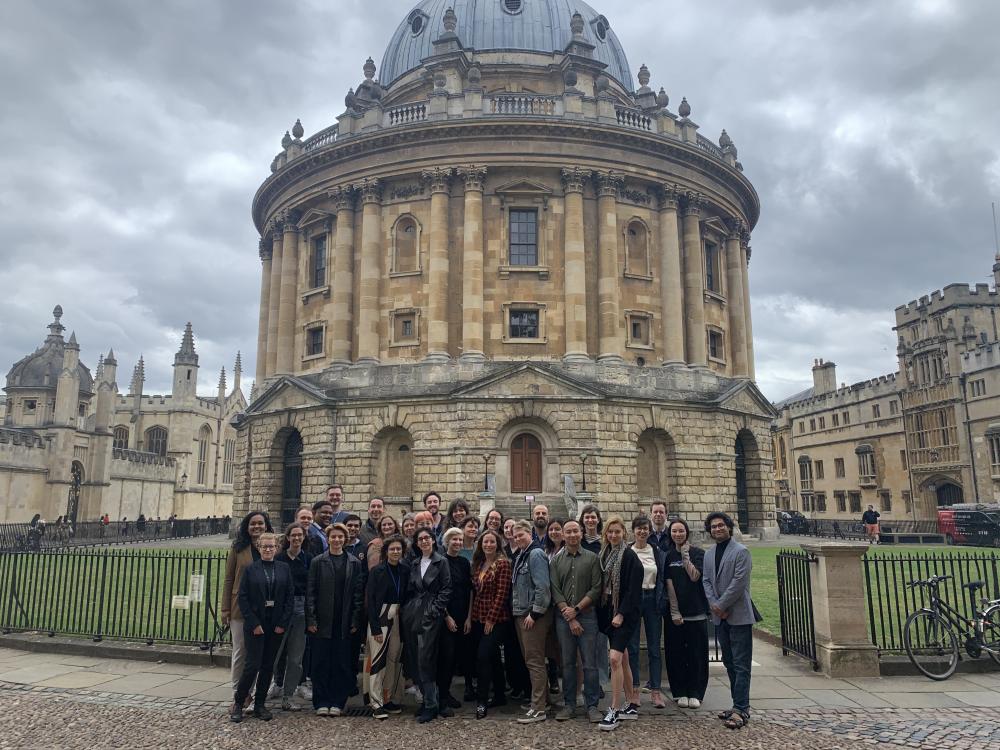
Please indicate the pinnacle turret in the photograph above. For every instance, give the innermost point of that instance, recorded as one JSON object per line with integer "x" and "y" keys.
{"x": 186, "y": 355}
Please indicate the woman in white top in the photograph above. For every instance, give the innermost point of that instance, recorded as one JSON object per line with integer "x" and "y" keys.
{"x": 653, "y": 604}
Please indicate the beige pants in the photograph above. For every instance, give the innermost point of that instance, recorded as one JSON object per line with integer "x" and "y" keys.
{"x": 239, "y": 651}
{"x": 533, "y": 647}
{"x": 382, "y": 666}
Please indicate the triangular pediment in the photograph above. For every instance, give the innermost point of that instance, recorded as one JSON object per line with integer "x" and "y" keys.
{"x": 288, "y": 392}
{"x": 528, "y": 381}
{"x": 523, "y": 187}
{"x": 745, "y": 397}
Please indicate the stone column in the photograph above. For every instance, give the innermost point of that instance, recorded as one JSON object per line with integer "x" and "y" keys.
{"x": 745, "y": 266}
{"x": 608, "y": 291}
{"x": 274, "y": 300}
{"x": 671, "y": 281}
{"x": 369, "y": 343}
{"x": 843, "y": 647}
{"x": 694, "y": 282}
{"x": 287, "y": 306}
{"x": 439, "y": 182}
{"x": 343, "y": 276}
{"x": 265, "y": 295}
{"x": 735, "y": 303}
{"x": 472, "y": 265}
{"x": 575, "y": 264}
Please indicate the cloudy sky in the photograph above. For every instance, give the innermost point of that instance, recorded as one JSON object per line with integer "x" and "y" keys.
{"x": 135, "y": 134}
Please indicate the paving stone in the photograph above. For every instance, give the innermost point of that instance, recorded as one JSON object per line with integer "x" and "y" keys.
{"x": 35, "y": 673}
{"x": 138, "y": 683}
{"x": 920, "y": 700}
{"x": 831, "y": 698}
{"x": 984, "y": 698}
{"x": 79, "y": 679}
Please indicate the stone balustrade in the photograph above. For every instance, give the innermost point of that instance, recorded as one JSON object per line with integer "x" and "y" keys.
{"x": 142, "y": 457}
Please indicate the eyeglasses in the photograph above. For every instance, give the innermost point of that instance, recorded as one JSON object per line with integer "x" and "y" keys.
{"x": 268, "y": 546}
{"x": 718, "y": 526}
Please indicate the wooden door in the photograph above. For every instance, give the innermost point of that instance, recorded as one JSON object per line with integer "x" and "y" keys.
{"x": 525, "y": 464}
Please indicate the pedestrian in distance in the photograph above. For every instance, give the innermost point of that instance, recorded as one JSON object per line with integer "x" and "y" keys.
{"x": 870, "y": 521}
{"x": 266, "y": 602}
{"x": 387, "y": 591}
{"x": 686, "y": 618}
{"x": 726, "y": 580}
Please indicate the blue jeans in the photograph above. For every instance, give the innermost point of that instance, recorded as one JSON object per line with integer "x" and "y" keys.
{"x": 736, "y": 642}
{"x": 653, "y": 623}
{"x": 587, "y": 645}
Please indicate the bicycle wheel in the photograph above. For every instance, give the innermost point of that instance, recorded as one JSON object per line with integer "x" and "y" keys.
{"x": 991, "y": 632}
{"x": 931, "y": 645}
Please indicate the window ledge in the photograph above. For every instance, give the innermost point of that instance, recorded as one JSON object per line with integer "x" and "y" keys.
{"x": 402, "y": 274}
{"x": 639, "y": 276}
{"x": 324, "y": 290}
{"x": 313, "y": 357}
{"x": 507, "y": 270}
{"x": 722, "y": 362}
{"x": 636, "y": 345}
{"x": 711, "y": 296}
{"x": 396, "y": 344}
{"x": 509, "y": 340}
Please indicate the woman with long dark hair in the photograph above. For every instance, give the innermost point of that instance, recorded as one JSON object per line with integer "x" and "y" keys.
{"x": 491, "y": 580}
{"x": 458, "y": 511}
{"x": 242, "y": 555}
{"x": 686, "y": 621}
{"x": 553, "y": 538}
{"x": 388, "y": 587}
{"x": 618, "y": 617}
{"x": 494, "y": 520}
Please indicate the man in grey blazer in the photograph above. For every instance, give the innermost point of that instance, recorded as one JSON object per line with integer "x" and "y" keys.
{"x": 727, "y": 586}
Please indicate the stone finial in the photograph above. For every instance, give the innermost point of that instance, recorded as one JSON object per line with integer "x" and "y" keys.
{"x": 186, "y": 354}
{"x": 643, "y": 76}
{"x": 56, "y": 327}
{"x": 297, "y": 130}
{"x": 369, "y": 69}
{"x": 450, "y": 21}
{"x": 286, "y": 141}
{"x": 685, "y": 109}
{"x": 724, "y": 139}
{"x": 576, "y": 24}
{"x": 222, "y": 381}
{"x": 662, "y": 100}
{"x": 238, "y": 369}
{"x": 72, "y": 344}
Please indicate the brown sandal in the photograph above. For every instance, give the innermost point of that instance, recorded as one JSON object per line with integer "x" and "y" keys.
{"x": 723, "y": 715}
{"x": 737, "y": 720}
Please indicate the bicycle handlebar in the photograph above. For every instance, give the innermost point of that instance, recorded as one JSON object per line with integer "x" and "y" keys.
{"x": 932, "y": 581}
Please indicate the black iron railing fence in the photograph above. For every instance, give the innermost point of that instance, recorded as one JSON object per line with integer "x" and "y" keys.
{"x": 891, "y": 599}
{"x": 25, "y": 537}
{"x": 834, "y": 529}
{"x": 169, "y": 596}
{"x": 795, "y": 604}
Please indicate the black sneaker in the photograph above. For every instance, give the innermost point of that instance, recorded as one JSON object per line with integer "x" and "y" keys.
{"x": 380, "y": 713}
{"x": 497, "y": 702}
{"x": 426, "y": 716}
{"x": 452, "y": 702}
{"x": 261, "y": 712}
{"x": 609, "y": 722}
{"x": 445, "y": 712}
{"x": 480, "y": 711}
{"x": 236, "y": 714}
{"x": 629, "y": 713}
{"x": 393, "y": 708}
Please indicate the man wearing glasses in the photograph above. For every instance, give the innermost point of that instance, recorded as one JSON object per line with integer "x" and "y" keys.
{"x": 727, "y": 586}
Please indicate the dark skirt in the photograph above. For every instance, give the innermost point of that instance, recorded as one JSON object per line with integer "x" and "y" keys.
{"x": 618, "y": 638}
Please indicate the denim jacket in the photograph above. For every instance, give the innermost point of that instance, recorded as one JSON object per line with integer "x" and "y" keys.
{"x": 531, "y": 590}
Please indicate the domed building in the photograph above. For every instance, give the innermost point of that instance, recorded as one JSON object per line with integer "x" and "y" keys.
{"x": 508, "y": 274}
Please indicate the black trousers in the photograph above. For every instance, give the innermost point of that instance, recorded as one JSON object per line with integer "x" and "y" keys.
{"x": 687, "y": 658}
{"x": 259, "y": 664}
{"x": 332, "y": 674}
{"x": 453, "y": 658}
{"x": 489, "y": 665}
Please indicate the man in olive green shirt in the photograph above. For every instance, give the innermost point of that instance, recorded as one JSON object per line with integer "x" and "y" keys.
{"x": 575, "y": 574}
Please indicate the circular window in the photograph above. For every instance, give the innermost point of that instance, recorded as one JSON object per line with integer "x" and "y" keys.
{"x": 417, "y": 24}
{"x": 512, "y": 6}
{"x": 602, "y": 30}
{"x": 641, "y": 361}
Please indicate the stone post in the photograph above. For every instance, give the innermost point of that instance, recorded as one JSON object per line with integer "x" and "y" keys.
{"x": 575, "y": 263}
{"x": 694, "y": 282}
{"x": 671, "y": 282}
{"x": 287, "y": 306}
{"x": 735, "y": 304}
{"x": 607, "y": 256}
{"x": 745, "y": 266}
{"x": 265, "y": 306}
{"x": 343, "y": 276}
{"x": 274, "y": 300}
{"x": 472, "y": 265}
{"x": 843, "y": 647}
{"x": 369, "y": 344}
{"x": 439, "y": 181}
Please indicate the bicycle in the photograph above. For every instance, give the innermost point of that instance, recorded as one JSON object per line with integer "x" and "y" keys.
{"x": 929, "y": 634}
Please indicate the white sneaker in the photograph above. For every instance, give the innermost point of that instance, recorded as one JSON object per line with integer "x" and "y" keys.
{"x": 322, "y": 711}
{"x": 334, "y": 711}
{"x": 304, "y": 692}
{"x": 274, "y": 691}
{"x": 694, "y": 703}
{"x": 532, "y": 716}
{"x": 683, "y": 702}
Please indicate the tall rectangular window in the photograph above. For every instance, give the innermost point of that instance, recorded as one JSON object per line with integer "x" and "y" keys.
{"x": 841, "y": 499}
{"x": 838, "y": 468}
{"x": 319, "y": 262}
{"x": 712, "y": 281}
{"x": 523, "y": 237}
{"x": 994, "y": 441}
{"x": 819, "y": 470}
{"x": 314, "y": 342}
{"x": 229, "y": 461}
{"x": 876, "y": 411}
{"x": 716, "y": 348}
{"x": 885, "y": 496}
{"x": 855, "y": 499}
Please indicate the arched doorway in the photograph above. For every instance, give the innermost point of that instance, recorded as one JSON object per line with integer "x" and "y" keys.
{"x": 75, "y": 482}
{"x": 751, "y": 513}
{"x": 525, "y": 464}
{"x": 949, "y": 494}
{"x": 742, "y": 501}
{"x": 291, "y": 481}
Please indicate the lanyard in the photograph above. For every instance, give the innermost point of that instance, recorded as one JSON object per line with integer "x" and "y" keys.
{"x": 269, "y": 577}
{"x": 395, "y": 580}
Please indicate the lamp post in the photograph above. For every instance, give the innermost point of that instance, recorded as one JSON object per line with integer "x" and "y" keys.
{"x": 583, "y": 464}
{"x": 486, "y": 472}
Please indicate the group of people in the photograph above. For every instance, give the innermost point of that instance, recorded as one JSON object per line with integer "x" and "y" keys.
{"x": 515, "y": 607}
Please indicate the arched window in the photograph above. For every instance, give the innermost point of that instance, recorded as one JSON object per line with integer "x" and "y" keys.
{"x": 525, "y": 464}
{"x": 229, "y": 459}
{"x": 120, "y": 441}
{"x": 636, "y": 249}
{"x": 156, "y": 441}
{"x": 406, "y": 256}
{"x": 781, "y": 454}
{"x": 291, "y": 480}
{"x": 204, "y": 440}
{"x": 73, "y": 502}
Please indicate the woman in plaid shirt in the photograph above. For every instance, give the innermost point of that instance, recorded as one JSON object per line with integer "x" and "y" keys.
{"x": 491, "y": 581}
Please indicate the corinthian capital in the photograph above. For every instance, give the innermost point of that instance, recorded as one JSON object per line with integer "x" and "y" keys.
{"x": 609, "y": 183}
{"x": 342, "y": 197}
{"x": 474, "y": 178}
{"x": 693, "y": 203}
{"x": 370, "y": 190}
{"x": 669, "y": 195}
{"x": 574, "y": 179}
{"x": 264, "y": 249}
{"x": 437, "y": 179}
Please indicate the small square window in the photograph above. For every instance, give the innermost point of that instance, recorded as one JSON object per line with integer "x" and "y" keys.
{"x": 524, "y": 324}
{"x": 405, "y": 328}
{"x": 30, "y": 405}
{"x": 639, "y": 329}
{"x": 314, "y": 342}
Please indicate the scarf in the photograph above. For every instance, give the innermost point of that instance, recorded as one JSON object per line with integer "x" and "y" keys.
{"x": 611, "y": 565}
{"x": 591, "y": 539}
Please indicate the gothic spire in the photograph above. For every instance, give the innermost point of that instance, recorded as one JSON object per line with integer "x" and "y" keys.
{"x": 186, "y": 355}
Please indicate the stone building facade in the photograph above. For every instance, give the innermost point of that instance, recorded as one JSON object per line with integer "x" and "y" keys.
{"x": 501, "y": 259}
{"x": 72, "y": 445}
{"x": 933, "y": 428}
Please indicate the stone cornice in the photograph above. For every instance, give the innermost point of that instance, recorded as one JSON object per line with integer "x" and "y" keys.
{"x": 439, "y": 133}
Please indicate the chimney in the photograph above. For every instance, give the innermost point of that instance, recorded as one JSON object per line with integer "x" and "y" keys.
{"x": 824, "y": 377}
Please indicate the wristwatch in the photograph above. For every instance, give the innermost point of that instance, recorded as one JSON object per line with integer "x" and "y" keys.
{"x": 576, "y": 609}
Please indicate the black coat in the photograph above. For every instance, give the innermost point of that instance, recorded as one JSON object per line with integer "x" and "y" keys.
{"x": 423, "y": 615}
{"x": 254, "y": 593}
{"x": 630, "y": 596}
{"x": 323, "y": 610}
{"x": 381, "y": 589}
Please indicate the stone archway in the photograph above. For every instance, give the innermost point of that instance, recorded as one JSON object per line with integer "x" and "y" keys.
{"x": 393, "y": 478}
{"x": 531, "y": 446}
{"x": 656, "y": 468}
{"x": 749, "y": 483}
{"x": 291, "y": 476}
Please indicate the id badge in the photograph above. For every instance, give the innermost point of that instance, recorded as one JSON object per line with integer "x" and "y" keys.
{"x": 269, "y": 603}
